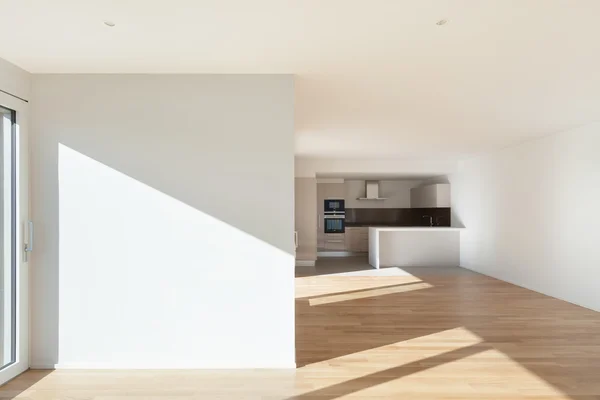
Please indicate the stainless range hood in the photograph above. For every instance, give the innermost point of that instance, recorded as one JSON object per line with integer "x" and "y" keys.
{"x": 371, "y": 191}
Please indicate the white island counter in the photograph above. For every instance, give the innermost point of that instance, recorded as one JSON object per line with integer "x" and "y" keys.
{"x": 414, "y": 246}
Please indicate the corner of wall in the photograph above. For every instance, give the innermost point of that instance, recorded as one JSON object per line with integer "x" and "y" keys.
{"x": 15, "y": 80}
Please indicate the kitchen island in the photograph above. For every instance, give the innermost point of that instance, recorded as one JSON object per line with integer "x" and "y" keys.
{"x": 414, "y": 246}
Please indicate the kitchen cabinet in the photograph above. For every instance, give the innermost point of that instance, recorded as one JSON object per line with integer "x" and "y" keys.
{"x": 328, "y": 191}
{"x": 305, "y": 218}
{"x": 396, "y": 194}
{"x": 334, "y": 241}
{"x": 357, "y": 239}
{"x": 430, "y": 196}
{"x": 331, "y": 191}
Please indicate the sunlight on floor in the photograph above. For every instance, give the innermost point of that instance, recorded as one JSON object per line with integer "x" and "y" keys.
{"x": 363, "y": 294}
{"x": 388, "y": 271}
{"x": 428, "y": 368}
{"x": 365, "y": 336}
{"x": 407, "y": 351}
{"x": 358, "y": 365}
{"x": 496, "y": 375}
{"x": 311, "y": 286}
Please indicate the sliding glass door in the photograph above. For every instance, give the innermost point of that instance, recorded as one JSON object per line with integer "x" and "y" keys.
{"x": 13, "y": 233}
{"x": 8, "y": 270}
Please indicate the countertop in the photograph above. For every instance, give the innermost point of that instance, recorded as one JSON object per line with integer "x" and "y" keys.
{"x": 361, "y": 225}
{"x": 414, "y": 228}
{"x": 390, "y": 225}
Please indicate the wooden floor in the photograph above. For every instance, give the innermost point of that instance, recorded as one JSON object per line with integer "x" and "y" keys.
{"x": 388, "y": 334}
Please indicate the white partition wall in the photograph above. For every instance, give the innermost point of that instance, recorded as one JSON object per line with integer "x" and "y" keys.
{"x": 531, "y": 214}
{"x": 165, "y": 209}
{"x": 414, "y": 246}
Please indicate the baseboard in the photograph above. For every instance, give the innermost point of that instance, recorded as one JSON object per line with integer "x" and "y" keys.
{"x": 104, "y": 366}
{"x": 42, "y": 366}
{"x": 305, "y": 263}
{"x": 341, "y": 253}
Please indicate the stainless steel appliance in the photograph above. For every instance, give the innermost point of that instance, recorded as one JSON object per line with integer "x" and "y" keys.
{"x": 335, "y": 223}
{"x": 334, "y": 206}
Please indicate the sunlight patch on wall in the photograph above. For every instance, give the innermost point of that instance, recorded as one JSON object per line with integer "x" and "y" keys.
{"x": 147, "y": 280}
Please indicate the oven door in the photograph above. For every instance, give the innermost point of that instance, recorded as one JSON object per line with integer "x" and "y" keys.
{"x": 335, "y": 224}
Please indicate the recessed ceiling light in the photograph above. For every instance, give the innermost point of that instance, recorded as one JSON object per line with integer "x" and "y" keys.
{"x": 109, "y": 23}
{"x": 441, "y": 22}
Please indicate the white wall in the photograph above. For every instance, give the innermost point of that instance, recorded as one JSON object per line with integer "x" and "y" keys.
{"x": 14, "y": 80}
{"x": 306, "y": 218}
{"x": 531, "y": 215}
{"x": 309, "y": 167}
{"x": 165, "y": 213}
{"x": 396, "y": 194}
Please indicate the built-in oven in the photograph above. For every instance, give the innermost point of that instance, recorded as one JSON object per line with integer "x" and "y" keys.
{"x": 335, "y": 206}
{"x": 335, "y": 223}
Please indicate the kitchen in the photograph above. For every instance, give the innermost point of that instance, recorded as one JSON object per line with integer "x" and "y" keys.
{"x": 396, "y": 221}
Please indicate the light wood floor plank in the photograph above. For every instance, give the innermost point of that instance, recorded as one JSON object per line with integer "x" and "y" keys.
{"x": 392, "y": 334}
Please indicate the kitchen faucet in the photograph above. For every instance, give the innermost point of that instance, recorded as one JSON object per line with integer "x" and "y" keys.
{"x": 430, "y": 219}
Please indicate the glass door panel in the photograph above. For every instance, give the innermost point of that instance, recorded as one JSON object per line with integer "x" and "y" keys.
{"x": 14, "y": 217}
{"x": 8, "y": 278}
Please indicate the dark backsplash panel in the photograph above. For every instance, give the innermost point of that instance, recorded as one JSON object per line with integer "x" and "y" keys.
{"x": 397, "y": 216}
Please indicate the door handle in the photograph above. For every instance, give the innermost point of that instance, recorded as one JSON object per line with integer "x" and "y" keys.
{"x": 28, "y": 248}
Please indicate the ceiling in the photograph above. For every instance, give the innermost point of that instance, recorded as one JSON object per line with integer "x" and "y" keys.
{"x": 375, "y": 78}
